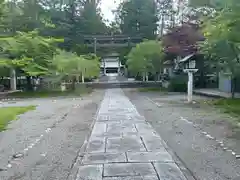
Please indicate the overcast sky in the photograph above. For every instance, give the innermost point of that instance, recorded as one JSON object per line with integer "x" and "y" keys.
{"x": 107, "y": 6}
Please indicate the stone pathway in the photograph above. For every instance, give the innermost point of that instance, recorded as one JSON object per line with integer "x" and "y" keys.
{"x": 123, "y": 146}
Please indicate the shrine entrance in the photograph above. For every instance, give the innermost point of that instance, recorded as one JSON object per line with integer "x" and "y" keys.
{"x": 110, "y": 62}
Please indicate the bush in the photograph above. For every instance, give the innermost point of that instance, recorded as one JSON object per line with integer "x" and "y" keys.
{"x": 178, "y": 84}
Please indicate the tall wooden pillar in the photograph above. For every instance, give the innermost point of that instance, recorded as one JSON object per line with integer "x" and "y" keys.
{"x": 13, "y": 80}
{"x": 95, "y": 45}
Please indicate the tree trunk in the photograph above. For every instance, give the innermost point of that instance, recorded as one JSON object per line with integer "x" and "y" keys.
{"x": 1, "y": 80}
{"x": 147, "y": 77}
{"x": 233, "y": 86}
{"x": 61, "y": 5}
{"x": 13, "y": 80}
{"x": 73, "y": 84}
{"x": 159, "y": 76}
{"x": 83, "y": 79}
{"x": 143, "y": 76}
{"x": 29, "y": 84}
{"x": 156, "y": 77}
{"x": 162, "y": 25}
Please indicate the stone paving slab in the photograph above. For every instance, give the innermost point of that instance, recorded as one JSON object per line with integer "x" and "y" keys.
{"x": 129, "y": 169}
{"x": 90, "y": 172}
{"x": 145, "y": 128}
{"x": 115, "y": 129}
{"x": 134, "y": 120}
{"x": 103, "y": 158}
{"x": 152, "y": 143}
{"x": 124, "y": 144}
{"x": 103, "y": 118}
{"x": 122, "y": 124}
{"x": 125, "y": 119}
{"x": 129, "y": 134}
{"x": 96, "y": 145}
{"x": 169, "y": 171}
{"x": 162, "y": 156}
{"x": 132, "y": 178}
{"x": 99, "y": 129}
{"x": 108, "y": 135}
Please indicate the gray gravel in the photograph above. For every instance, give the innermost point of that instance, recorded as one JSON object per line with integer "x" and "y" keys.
{"x": 175, "y": 121}
{"x": 44, "y": 143}
{"x": 47, "y": 143}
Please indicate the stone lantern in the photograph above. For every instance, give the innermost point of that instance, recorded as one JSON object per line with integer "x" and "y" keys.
{"x": 189, "y": 68}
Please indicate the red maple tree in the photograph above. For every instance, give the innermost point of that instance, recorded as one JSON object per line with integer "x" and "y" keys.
{"x": 182, "y": 40}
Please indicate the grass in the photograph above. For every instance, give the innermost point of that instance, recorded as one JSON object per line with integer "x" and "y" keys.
{"x": 231, "y": 106}
{"x": 46, "y": 94}
{"x": 228, "y": 106}
{"x": 10, "y": 113}
{"x": 153, "y": 89}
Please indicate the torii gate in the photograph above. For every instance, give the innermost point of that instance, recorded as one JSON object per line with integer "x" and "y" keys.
{"x": 110, "y": 62}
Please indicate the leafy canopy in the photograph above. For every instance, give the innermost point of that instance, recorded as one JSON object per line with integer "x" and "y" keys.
{"x": 28, "y": 52}
{"x": 222, "y": 38}
{"x": 136, "y": 17}
{"x": 70, "y": 65}
{"x": 146, "y": 57}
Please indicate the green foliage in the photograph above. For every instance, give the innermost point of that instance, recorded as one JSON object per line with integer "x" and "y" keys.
{"x": 222, "y": 39}
{"x": 197, "y": 3}
{"x": 178, "y": 84}
{"x": 207, "y": 3}
{"x": 70, "y": 65}
{"x": 29, "y": 52}
{"x": 2, "y": 6}
{"x": 136, "y": 17}
{"x": 4, "y": 72}
{"x": 69, "y": 20}
{"x": 153, "y": 89}
{"x": 146, "y": 57}
{"x": 91, "y": 19}
{"x": 32, "y": 31}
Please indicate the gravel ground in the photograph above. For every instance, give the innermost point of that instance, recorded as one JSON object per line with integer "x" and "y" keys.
{"x": 43, "y": 144}
{"x": 46, "y": 144}
{"x": 202, "y": 146}
{"x": 209, "y": 119}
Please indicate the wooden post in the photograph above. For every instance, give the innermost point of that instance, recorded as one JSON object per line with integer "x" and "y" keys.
{"x": 13, "y": 80}
{"x": 95, "y": 45}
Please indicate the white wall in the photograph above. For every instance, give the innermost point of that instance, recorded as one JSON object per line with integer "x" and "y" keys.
{"x": 224, "y": 83}
{"x": 110, "y": 63}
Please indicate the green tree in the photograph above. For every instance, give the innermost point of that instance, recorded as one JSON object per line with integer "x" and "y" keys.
{"x": 138, "y": 17}
{"x": 114, "y": 28}
{"x": 79, "y": 18}
{"x": 70, "y": 20}
{"x": 91, "y": 19}
{"x": 26, "y": 15}
{"x": 207, "y": 3}
{"x": 222, "y": 40}
{"x": 70, "y": 66}
{"x": 167, "y": 14}
{"x": 28, "y": 53}
{"x": 146, "y": 57}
